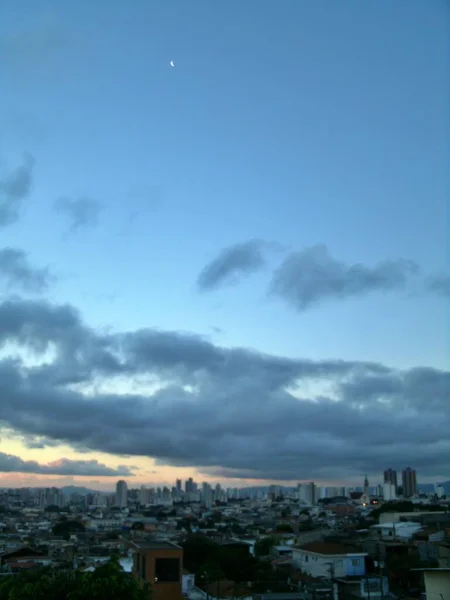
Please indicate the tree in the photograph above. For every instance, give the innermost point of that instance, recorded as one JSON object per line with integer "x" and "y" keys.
{"x": 263, "y": 546}
{"x": 52, "y": 508}
{"x": 284, "y": 527}
{"x": 66, "y": 527}
{"x": 106, "y": 582}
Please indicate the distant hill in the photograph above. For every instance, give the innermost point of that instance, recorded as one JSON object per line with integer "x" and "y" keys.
{"x": 428, "y": 488}
{"x": 84, "y": 491}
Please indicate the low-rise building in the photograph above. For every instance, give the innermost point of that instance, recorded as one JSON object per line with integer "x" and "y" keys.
{"x": 160, "y": 564}
{"x": 328, "y": 559}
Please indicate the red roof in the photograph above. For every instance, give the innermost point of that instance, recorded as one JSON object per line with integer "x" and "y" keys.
{"x": 24, "y": 565}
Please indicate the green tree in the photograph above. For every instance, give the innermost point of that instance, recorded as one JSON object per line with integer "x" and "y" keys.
{"x": 106, "y": 582}
{"x": 284, "y": 527}
{"x": 52, "y": 508}
{"x": 66, "y": 527}
{"x": 263, "y": 546}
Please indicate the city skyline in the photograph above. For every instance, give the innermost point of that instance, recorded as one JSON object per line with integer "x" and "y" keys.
{"x": 235, "y": 269}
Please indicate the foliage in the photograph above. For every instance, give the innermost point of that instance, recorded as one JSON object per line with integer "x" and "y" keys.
{"x": 285, "y": 528}
{"x": 106, "y": 582}
{"x": 263, "y": 546}
{"x": 67, "y": 527}
{"x": 52, "y": 508}
{"x": 400, "y": 570}
{"x": 212, "y": 562}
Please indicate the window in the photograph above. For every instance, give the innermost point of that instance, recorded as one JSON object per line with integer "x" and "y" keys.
{"x": 306, "y": 558}
{"x": 355, "y": 562}
{"x": 167, "y": 570}
{"x": 338, "y": 563}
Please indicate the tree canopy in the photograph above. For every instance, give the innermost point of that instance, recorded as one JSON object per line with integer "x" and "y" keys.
{"x": 66, "y": 527}
{"x": 106, "y": 582}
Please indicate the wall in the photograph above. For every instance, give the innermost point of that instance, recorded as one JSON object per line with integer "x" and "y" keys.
{"x": 161, "y": 591}
{"x": 355, "y": 565}
{"x": 318, "y": 565}
{"x": 394, "y": 517}
{"x": 437, "y": 584}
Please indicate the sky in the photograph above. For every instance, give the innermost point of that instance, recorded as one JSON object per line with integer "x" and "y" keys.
{"x": 236, "y": 268}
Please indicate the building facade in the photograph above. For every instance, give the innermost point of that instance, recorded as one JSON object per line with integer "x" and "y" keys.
{"x": 326, "y": 559}
{"x": 159, "y": 564}
{"x": 121, "y": 494}
{"x": 390, "y": 476}
{"x": 409, "y": 482}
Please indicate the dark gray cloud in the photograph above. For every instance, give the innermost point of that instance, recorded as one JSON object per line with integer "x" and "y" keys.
{"x": 312, "y": 276}
{"x": 231, "y": 263}
{"x": 80, "y": 212}
{"x": 439, "y": 284}
{"x": 15, "y": 186}
{"x": 16, "y": 271}
{"x": 223, "y": 410}
{"x": 14, "y": 464}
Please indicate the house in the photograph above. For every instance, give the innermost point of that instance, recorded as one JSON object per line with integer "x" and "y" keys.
{"x": 325, "y": 559}
{"x": 25, "y": 556}
{"x": 437, "y": 582}
{"x": 396, "y": 530}
{"x": 159, "y": 564}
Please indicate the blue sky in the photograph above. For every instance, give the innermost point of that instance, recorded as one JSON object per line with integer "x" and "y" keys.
{"x": 295, "y": 122}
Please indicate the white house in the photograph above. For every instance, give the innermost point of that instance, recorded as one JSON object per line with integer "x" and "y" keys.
{"x": 322, "y": 559}
{"x": 396, "y": 530}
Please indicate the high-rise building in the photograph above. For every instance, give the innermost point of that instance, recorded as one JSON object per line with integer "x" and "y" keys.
{"x": 439, "y": 490}
{"x": 389, "y": 491}
{"x": 409, "y": 482}
{"x": 390, "y": 476}
{"x": 121, "y": 494}
{"x": 306, "y": 492}
{"x": 207, "y": 495}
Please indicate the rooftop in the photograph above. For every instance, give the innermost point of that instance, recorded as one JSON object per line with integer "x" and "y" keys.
{"x": 330, "y": 548}
{"x": 155, "y": 545}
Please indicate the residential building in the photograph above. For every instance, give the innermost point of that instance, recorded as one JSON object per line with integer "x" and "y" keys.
{"x": 121, "y": 494}
{"x": 439, "y": 490}
{"x": 396, "y": 530}
{"x": 160, "y": 564}
{"x": 329, "y": 559}
{"x": 390, "y": 476}
{"x": 409, "y": 482}
{"x": 306, "y": 492}
{"x": 389, "y": 491}
{"x": 207, "y": 495}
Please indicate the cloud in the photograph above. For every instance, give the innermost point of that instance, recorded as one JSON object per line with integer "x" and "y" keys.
{"x": 15, "y": 186}
{"x": 80, "y": 212}
{"x": 86, "y": 468}
{"x": 226, "y": 411}
{"x": 16, "y": 271}
{"x": 232, "y": 262}
{"x": 439, "y": 284}
{"x": 312, "y": 276}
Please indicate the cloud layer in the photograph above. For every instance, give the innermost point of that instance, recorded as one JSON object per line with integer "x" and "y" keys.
{"x": 227, "y": 411}
{"x": 14, "y": 464}
{"x": 79, "y": 212}
{"x": 16, "y": 271}
{"x": 313, "y": 276}
{"x": 231, "y": 263}
{"x": 15, "y": 186}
